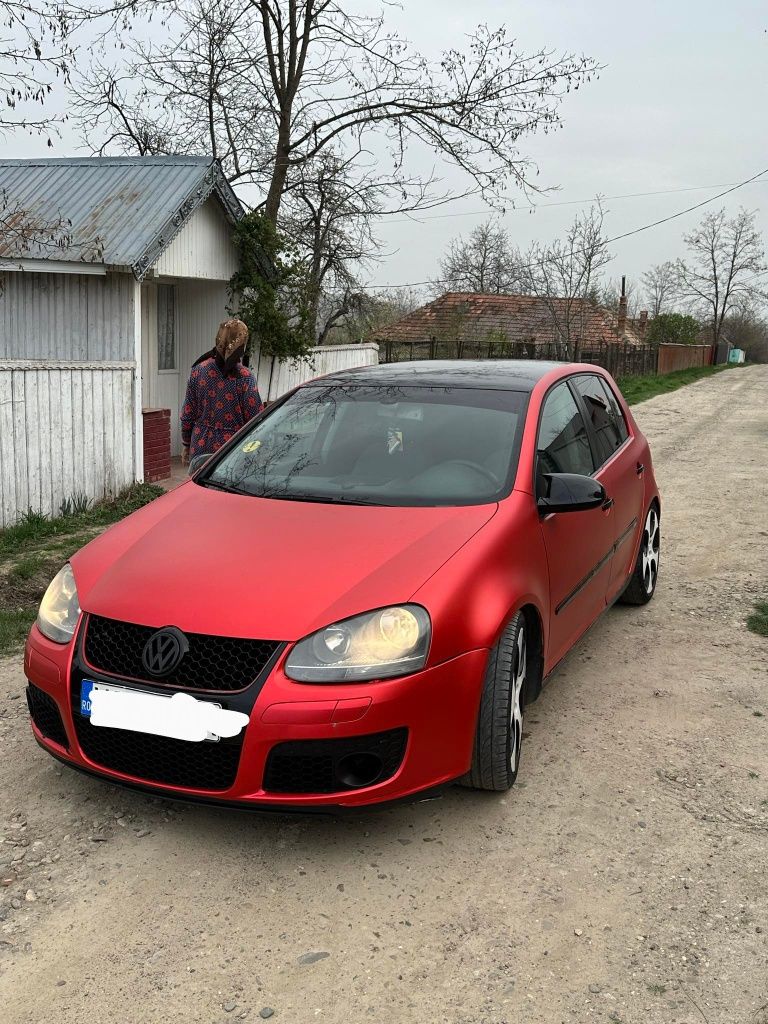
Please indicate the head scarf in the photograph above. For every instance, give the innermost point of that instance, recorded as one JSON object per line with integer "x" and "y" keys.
{"x": 231, "y": 339}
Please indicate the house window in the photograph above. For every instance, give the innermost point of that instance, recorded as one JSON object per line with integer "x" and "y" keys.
{"x": 166, "y": 327}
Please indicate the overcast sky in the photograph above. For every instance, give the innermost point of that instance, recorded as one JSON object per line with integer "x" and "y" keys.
{"x": 682, "y": 102}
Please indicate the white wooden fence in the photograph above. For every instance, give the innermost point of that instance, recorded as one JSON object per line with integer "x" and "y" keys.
{"x": 275, "y": 377}
{"x": 66, "y": 428}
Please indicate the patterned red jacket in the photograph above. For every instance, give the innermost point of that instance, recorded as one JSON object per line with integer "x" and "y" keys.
{"x": 215, "y": 406}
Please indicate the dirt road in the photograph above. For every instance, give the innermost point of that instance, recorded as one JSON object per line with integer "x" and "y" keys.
{"x": 625, "y": 878}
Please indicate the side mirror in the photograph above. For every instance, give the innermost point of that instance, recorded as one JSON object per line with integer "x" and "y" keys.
{"x": 569, "y": 492}
{"x": 198, "y": 462}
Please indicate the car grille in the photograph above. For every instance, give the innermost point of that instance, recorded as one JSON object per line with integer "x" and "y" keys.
{"x": 322, "y": 766}
{"x": 171, "y": 762}
{"x": 46, "y": 715}
{"x": 214, "y": 663}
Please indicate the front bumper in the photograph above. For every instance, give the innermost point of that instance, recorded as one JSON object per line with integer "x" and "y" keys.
{"x": 435, "y": 712}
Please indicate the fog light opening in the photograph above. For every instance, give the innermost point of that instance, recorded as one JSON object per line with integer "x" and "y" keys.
{"x": 358, "y": 770}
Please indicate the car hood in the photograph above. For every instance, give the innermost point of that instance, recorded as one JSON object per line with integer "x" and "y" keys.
{"x": 227, "y": 564}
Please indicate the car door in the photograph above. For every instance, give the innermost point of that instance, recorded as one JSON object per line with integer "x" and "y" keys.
{"x": 617, "y": 469}
{"x": 579, "y": 545}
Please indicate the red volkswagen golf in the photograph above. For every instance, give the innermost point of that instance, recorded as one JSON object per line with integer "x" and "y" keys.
{"x": 356, "y": 598}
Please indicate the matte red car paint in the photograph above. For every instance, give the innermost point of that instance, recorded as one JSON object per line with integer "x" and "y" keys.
{"x": 225, "y": 564}
{"x": 432, "y": 704}
{"x": 206, "y": 561}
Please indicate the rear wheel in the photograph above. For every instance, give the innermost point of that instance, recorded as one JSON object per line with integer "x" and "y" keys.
{"x": 642, "y": 583}
{"x": 499, "y": 735}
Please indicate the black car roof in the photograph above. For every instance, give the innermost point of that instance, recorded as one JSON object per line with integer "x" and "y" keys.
{"x": 500, "y": 374}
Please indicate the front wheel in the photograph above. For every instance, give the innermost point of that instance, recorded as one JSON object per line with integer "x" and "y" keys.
{"x": 642, "y": 582}
{"x": 499, "y": 736}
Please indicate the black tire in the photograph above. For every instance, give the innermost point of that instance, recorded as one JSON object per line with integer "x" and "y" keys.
{"x": 499, "y": 735}
{"x": 642, "y": 582}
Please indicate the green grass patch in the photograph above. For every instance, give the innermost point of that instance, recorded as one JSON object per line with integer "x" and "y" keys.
{"x": 35, "y": 548}
{"x": 26, "y": 567}
{"x": 758, "y": 620}
{"x": 638, "y": 389}
{"x": 14, "y": 626}
{"x": 33, "y": 528}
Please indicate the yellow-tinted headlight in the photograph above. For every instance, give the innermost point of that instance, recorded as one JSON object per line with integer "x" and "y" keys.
{"x": 60, "y": 608}
{"x": 382, "y": 644}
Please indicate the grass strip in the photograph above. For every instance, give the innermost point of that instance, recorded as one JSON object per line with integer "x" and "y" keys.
{"x": 638, "y": 389}
{"x": 14, "y": 626}
{"x": 34, "y": 527}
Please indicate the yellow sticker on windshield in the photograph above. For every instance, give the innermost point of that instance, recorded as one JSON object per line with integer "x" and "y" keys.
{"x": 251, "y": 446}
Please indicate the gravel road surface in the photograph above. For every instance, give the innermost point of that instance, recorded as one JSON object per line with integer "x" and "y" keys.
{"x": 625, "y": 878}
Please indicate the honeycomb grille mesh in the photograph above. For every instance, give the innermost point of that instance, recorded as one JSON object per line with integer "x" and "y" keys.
{"x": 209, "y": 766}
{"x": 218, "y": 663}
{"x": 46, "y": 715}
{"x": 310, "y": 766}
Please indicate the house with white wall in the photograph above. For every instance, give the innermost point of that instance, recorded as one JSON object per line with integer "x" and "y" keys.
{"x": 113, "y": 280}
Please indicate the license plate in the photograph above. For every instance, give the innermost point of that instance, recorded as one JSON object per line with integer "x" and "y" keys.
{"x": 178, "y": 716}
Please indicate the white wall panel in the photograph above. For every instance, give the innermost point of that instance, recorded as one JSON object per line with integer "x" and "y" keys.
{"x": 66, "y": 316}
{"x": 202, "y": 249}
{"x": 65, "y": 429}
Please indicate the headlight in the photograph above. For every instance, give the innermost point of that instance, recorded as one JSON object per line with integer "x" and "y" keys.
{"x": 59, "y": 609}
{"x": 378, "y": 645}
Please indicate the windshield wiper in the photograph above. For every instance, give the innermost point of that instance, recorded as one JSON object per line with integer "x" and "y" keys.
{"x": 336, "y": 499}
{"x": 223, "y": 487}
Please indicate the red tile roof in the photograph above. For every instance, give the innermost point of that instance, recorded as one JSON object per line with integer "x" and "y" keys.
{"x": 516, "y": 318}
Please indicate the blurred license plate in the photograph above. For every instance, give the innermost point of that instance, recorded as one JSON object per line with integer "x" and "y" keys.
{"x": 179, "y": 716}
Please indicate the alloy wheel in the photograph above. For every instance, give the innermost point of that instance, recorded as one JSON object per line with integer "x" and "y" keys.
{"x": 650, "y": 551}
{"x": 516, "y": 713}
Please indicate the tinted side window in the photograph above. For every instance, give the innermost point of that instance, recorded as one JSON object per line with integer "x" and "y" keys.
{"x": 600, "y": 414}
{"x": 563, "y": 445}
{"x": 616, "y": 410}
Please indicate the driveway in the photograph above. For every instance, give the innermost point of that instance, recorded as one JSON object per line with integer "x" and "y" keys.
{"x": 624, "y": 878}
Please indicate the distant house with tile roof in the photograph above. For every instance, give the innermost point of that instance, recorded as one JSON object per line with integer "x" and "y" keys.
{"x": 471, "y": 321}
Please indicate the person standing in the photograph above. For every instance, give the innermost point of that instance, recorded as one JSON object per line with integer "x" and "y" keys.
{"x": 221, "y": 394}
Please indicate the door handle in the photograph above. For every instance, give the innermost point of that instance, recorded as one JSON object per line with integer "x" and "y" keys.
{"x": 608, "y": 503}
{"x": 639, "y": 469}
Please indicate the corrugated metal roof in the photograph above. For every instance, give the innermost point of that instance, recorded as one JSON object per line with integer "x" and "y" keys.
{"x": 124, "y": 211}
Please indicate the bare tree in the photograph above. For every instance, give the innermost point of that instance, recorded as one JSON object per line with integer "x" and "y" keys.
{"x": 21, "y": 232}
{"x": 37, "y": 49}
{"x": 746, "y": 326}
{"x": 190, "y": 93}
{"x": 311, "y": 74}
{"x": 565, "y": 275}
{"x": 660, "y": 287}
{"x": 370, "y": 312}
{"x": 484, "y": 262}
{"x": 725, "y": 258}
{"x": 34, "y": 53}
{"x": 329, "y": 213}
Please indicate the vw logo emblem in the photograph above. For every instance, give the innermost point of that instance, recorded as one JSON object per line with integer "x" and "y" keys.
{"x": 164, "y": 650}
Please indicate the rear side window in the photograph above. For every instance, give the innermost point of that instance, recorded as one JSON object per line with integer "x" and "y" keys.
{"x": 616, "y": 411}
{"x": 563, "y": 445}
{"x": 602, "y": 417}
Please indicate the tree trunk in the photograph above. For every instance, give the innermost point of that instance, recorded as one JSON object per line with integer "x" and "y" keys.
{"x": 279, "y": 174}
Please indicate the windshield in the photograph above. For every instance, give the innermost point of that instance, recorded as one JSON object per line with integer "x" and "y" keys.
{"x": 379, "y": 445}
